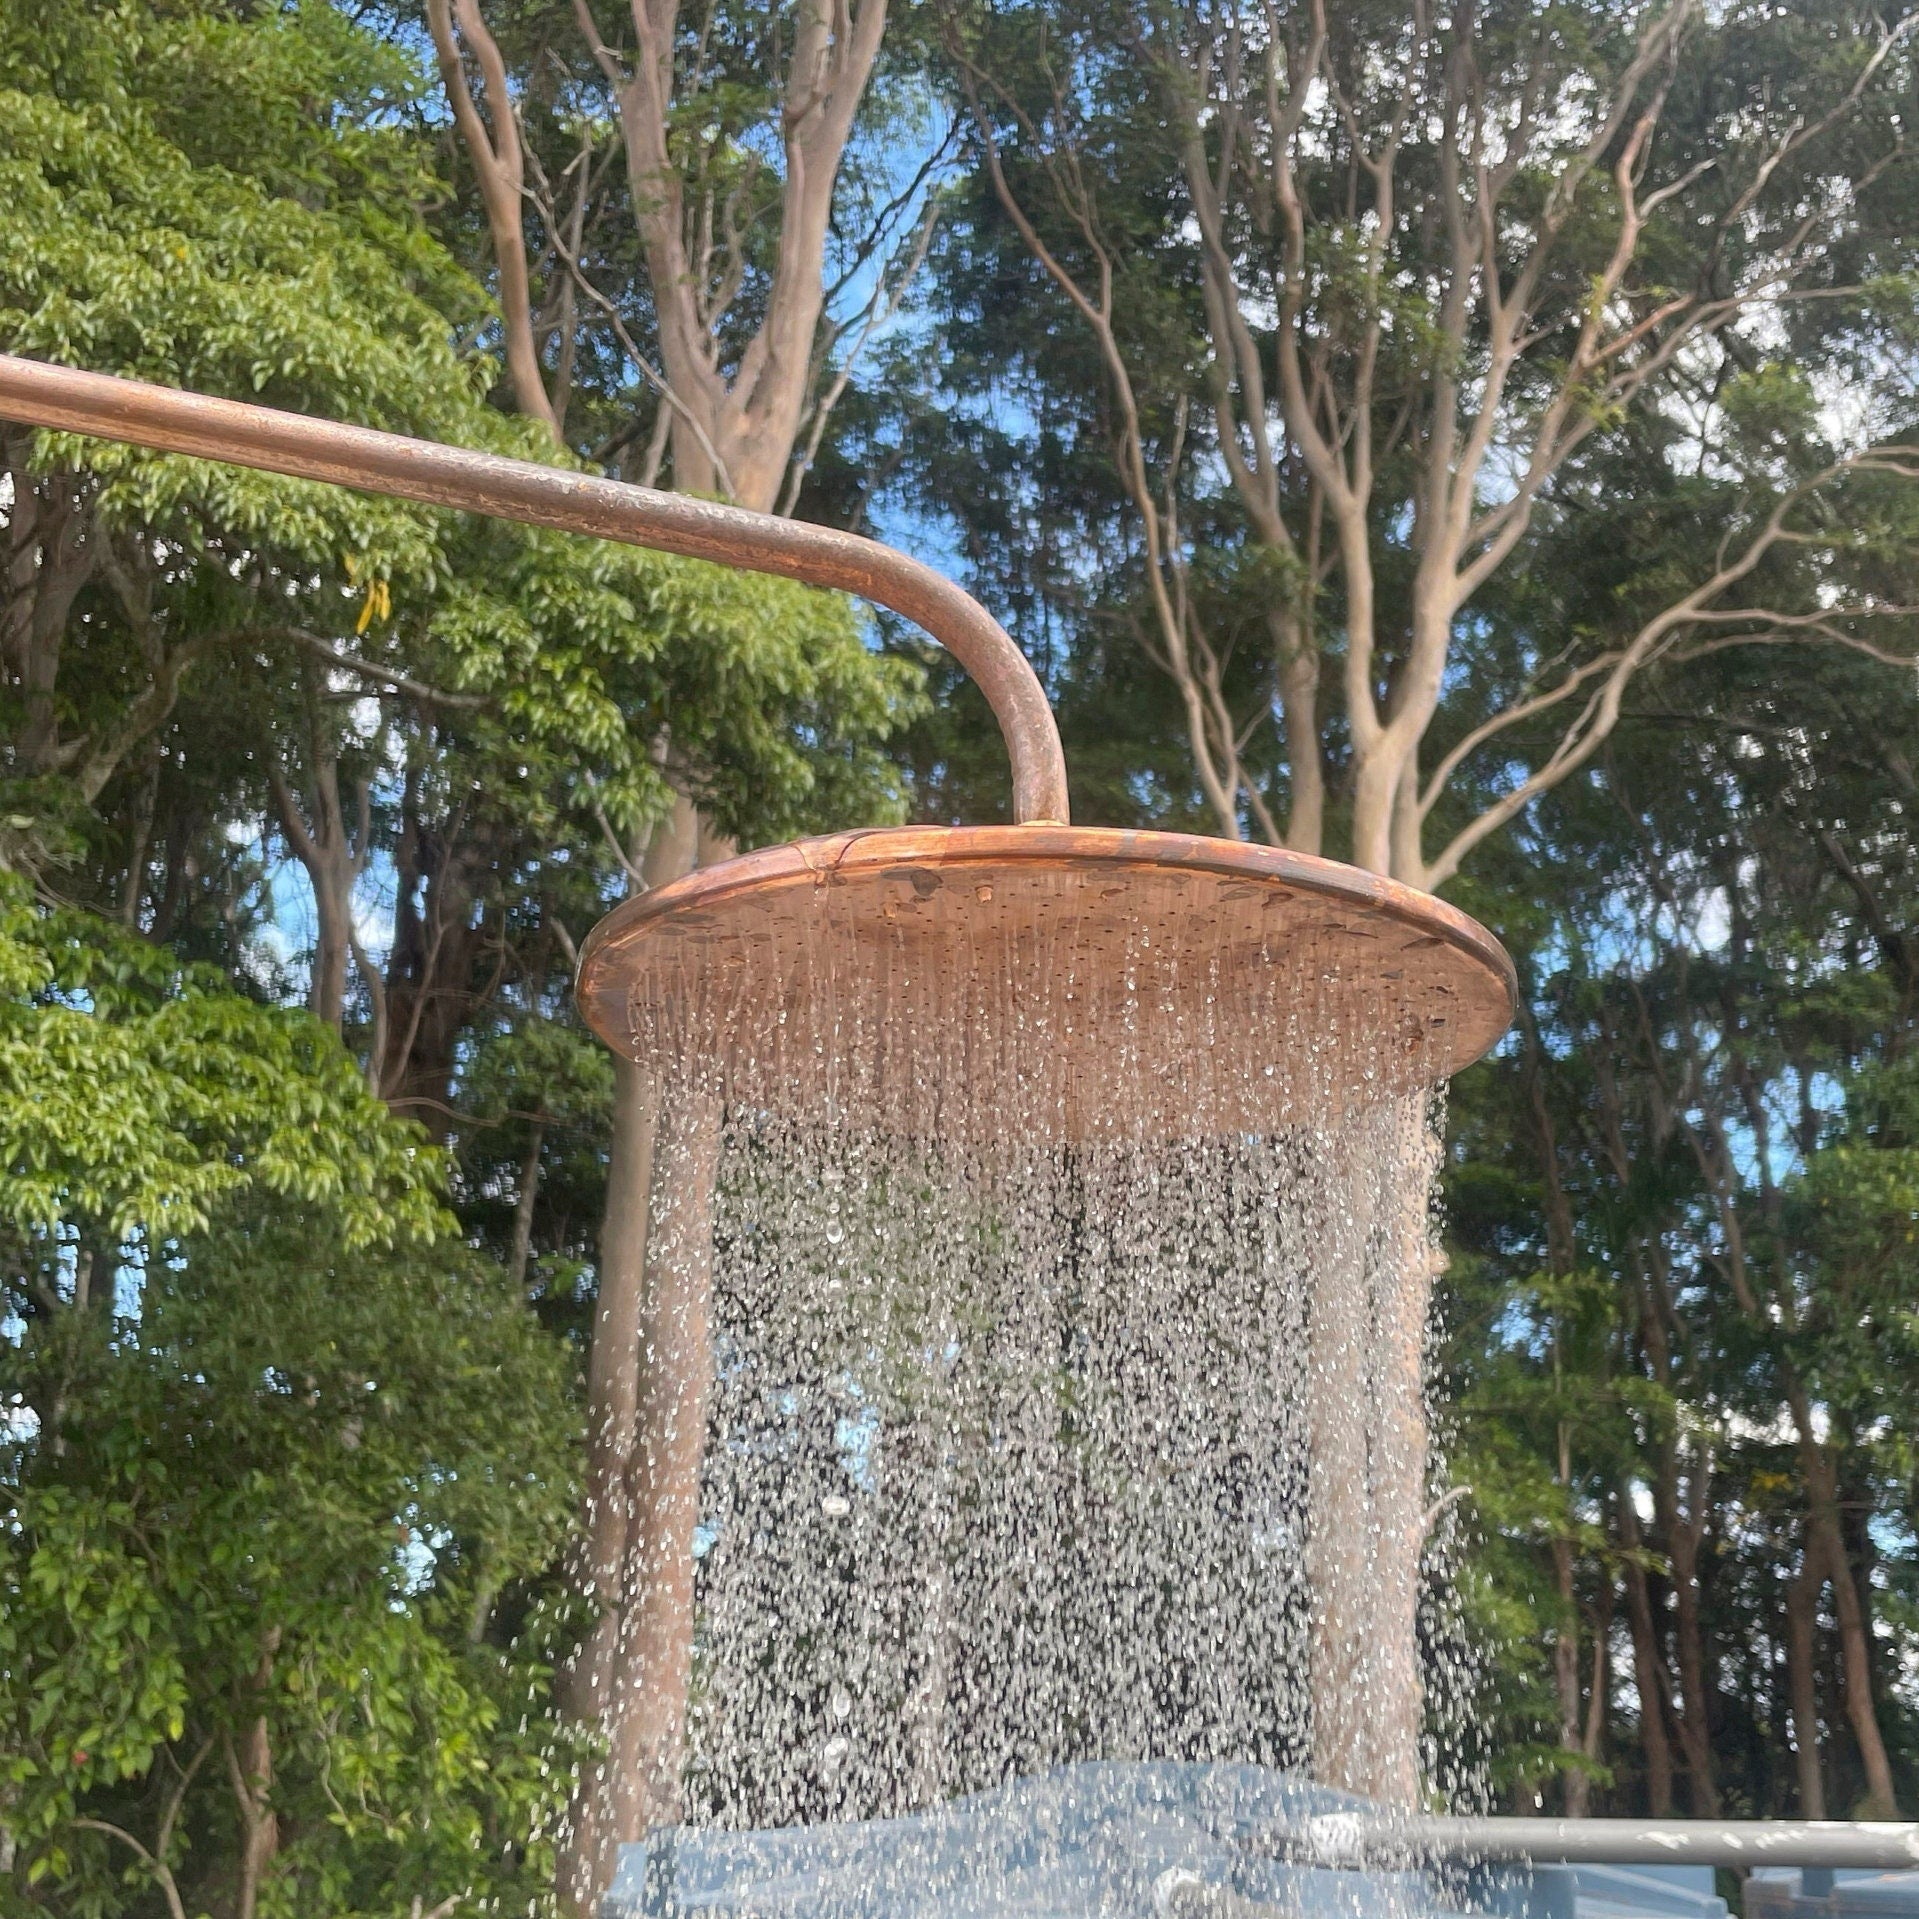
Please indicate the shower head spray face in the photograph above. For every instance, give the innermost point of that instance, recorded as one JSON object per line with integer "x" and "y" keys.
{"x": 1066, "y": 984}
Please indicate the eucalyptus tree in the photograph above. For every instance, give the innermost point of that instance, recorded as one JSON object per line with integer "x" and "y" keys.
{"x": 1425, "y": 259}
{"x": 1681, "y": 1208}
{"x": 689, "y": 218}
{"x": 684, "y": 244}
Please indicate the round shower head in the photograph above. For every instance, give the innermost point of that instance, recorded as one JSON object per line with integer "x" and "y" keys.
{"x": 1055, "y": 983}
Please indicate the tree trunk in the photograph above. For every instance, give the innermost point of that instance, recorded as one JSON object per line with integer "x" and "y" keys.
{"x": 140, "y": 836}
{"x": 438, "y": 941}
{"x": 1855, "y": 1651}
{"x": 332, "y": 912}
{"x": 1375, "y": 784}
{"x": 520, "y": 1254}
{"x": 499, "y": 167}
{"x": 600, "y": 1682}
{"x": 1649, "y": 1677}
{"x": 250, "y": 1768}
{"x": 1298, "y": 654}
{"x": 1566, "y": 1661}
{"x": 1802, "y": 1681}
{"x": 320, "y": 838}
{"x": 1579, "y": 1785}
{"x": 735, "y": 434}
{"x": 261, "y": 1825}
{"x": 1683, "y": 1531}
{"x": 53, "y": 545}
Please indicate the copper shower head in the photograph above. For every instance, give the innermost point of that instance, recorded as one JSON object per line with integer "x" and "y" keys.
{"x": 1055, "y": 982}
{"x": 1072, "y": 982}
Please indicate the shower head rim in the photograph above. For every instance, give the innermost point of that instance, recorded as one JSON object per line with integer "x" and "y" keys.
{"x": 861, "y": 855}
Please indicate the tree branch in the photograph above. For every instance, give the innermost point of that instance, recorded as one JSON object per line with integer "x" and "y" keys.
{"x": 499, "y": 166}
{"x": 367, "y": 669}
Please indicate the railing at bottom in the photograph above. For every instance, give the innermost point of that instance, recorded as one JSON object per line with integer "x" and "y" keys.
{"x": 1359, "y": 1839}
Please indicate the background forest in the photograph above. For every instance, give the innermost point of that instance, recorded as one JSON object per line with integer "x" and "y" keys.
{"x": 1477, "y": 440}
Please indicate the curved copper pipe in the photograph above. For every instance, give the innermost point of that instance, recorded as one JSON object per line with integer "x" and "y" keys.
{"x": 109, "y": 408}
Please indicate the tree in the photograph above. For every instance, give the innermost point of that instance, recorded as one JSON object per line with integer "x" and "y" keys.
{"x": 272, "y": 747}
{"x": 1713, "y": 1061}
{"x": 468, "y": 713}
{"x": 236, "y": 1362}
{"x": 728, "y": 277}
{"x": 698, "y": 259}
{"x": 262, "y": 1515}
{"x": 512, "y": 641}
{"x": 1390, "y": 276}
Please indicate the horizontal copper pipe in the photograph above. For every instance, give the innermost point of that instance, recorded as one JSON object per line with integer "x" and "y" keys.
{"x": 109, "y": 408}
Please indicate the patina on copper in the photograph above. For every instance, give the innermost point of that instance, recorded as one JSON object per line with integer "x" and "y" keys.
{"x": 1112, "y": 977}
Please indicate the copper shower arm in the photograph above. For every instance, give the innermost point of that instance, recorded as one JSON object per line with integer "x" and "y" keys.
{"x": 108, "y": 408}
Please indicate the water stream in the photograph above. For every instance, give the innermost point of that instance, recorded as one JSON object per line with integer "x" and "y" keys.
{"x": 1064, "y": 1310}
{"x": 1010, "y": 1456}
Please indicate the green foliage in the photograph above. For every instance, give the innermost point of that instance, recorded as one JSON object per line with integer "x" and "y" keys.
{"x": 1713, "y": 1096}
{"x": 264, "y": 1515}
{"x": 1850, "y": 1221}
{"x": 289, "y": 1464}
{"x": 261, "y": 1498}
{"x": 271, "y": 251}
{"x": 138, "y": 1096}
